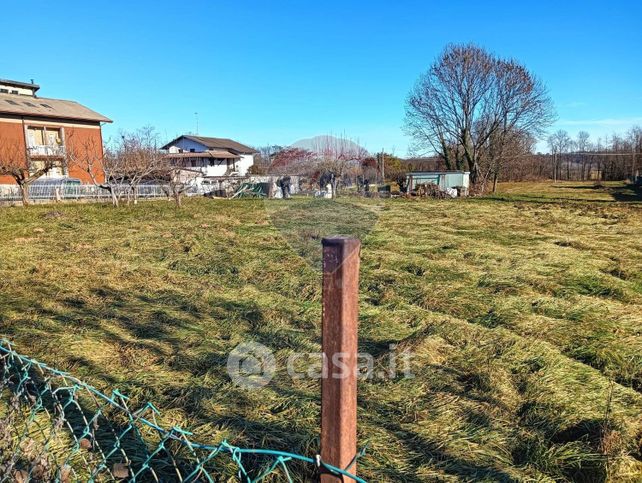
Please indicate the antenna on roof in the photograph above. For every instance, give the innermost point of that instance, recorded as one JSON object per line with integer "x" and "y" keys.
{"x": 196, "y": 115}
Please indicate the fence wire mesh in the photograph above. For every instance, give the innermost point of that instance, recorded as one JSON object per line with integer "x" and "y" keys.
{"x": 54, "y": 427}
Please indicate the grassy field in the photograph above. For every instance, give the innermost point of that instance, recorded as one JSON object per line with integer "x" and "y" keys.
{"x": 570, "y": 191}
{"x": 523, "y": 311}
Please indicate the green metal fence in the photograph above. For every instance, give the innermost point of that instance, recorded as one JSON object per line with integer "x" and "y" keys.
{"x": 54, "y": 427}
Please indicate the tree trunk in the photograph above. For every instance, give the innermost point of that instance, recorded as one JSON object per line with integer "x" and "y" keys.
{"x": 474, "y": 172}
{"x": 24, "y": 192}
{"x": 495, "y": 177}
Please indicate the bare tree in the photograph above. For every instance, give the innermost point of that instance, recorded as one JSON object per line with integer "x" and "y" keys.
{"x": 264, "y": 159}
{"x": 470, "y": 98}
{"x": 178, "y": 180}
{"x": 635, "y": 138}
{"x": 582, "y": 142}
{"x": 511, "y": 145}
{"x": 133, "y": 158}
{"x": 25, "y": 168}
{"x": 559, "y": 143}
{"x": 338, "y": 159}
{"x": 292, "y": 161}
{"x": 139, "y": 155}
{"x": 583, "y": 145}
{"x": 105, "y": 170}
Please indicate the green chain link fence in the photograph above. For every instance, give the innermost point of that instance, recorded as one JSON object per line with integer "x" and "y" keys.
{"x": 54, "y": 427}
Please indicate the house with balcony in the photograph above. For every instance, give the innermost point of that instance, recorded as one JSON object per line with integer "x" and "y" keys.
{"x": 46, "y": 130}
{"x": 206, "y": 157}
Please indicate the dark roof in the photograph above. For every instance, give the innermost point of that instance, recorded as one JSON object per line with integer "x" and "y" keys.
{"x": 27, "y": 85}
{"x": 215, "y": 143}
{"x": 49, "y": 108}
{"x": 213, "y": 153}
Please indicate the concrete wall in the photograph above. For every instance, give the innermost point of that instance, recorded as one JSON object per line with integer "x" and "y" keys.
{"x": 232, "y": 183}
{"x": 245, "y": 163}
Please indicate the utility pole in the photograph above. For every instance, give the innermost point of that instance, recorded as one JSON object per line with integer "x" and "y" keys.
{"x": 383, "y": 167}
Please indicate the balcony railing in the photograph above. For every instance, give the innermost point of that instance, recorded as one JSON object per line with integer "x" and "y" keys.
{"x": 46, "y": 150}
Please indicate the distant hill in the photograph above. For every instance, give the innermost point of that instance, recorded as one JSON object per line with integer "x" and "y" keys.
{"x": 319, "y": 144}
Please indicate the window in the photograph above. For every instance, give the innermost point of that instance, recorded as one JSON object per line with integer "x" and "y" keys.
{"x": 14, "y": 92}
{"x": 192, "y": 150}
{"x": 42, "y": 136}
{"x": 12, "y": 102}
{"x": 4, "y": 91}
{"x": 29, "y": 104}
{"x": 47, "y": 106}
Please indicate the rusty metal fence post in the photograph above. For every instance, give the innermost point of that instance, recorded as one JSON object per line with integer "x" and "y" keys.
{"x": 341, "y": 256}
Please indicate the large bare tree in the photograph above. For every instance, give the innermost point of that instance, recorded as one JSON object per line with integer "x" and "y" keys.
{"x": 469, "y": 98}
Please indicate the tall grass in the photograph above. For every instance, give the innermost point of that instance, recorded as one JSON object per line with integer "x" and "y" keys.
{"x": 524, "y": 318}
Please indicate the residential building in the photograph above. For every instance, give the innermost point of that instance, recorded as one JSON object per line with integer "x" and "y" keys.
{"x": 210, "y": 157}
{"x": 49, "y": 129}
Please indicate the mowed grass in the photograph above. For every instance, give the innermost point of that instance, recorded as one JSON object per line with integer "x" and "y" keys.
{"x": 571, "y": 191}
{"x": 524, "y": 316}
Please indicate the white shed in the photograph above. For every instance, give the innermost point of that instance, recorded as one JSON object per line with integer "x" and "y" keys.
{"x": 446, "y": 180}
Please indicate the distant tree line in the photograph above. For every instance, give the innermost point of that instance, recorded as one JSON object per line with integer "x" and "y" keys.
{"x": 610, "y": 158}
{"x": 615, "y": 157}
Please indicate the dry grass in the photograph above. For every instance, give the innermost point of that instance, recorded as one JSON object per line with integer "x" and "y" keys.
{"x": 572, "y": 191}
{"x": 524, "y": 312}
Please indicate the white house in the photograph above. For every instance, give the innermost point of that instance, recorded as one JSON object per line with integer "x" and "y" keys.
{"x": 210, "y": 157}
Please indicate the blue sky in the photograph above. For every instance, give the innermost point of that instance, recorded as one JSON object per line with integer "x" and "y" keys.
{"x": 275, "y": 72}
